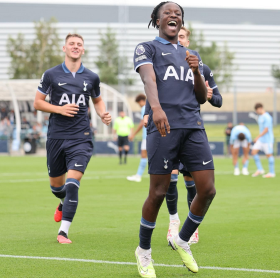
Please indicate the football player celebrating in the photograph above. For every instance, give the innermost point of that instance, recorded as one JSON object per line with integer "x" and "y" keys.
{"x": 175, "y": 89}
{"x": 69, "y": 146}
{"x": 215, "y": 99}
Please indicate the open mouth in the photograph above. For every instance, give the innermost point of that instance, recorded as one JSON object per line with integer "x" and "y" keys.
{"x": 172, "y": 24}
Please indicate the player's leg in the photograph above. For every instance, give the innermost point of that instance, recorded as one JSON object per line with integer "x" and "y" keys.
{"x": 235, "y": 153}
{"x": 190, "y": 186}
{"x": 120, "y": 145}
{"x": 142, "y": 164}
{"x": 162, "y": 153}
{"x": 269, "y": 155}
{"x": 171, "y": 202}
{"x": 196, "y": 155}
{"x": 256, "y": 148}
{"x": 126, "y": 148}
{"x": 56, "y": 169}
{"x": 78, "y": 154}
{"x": 245, "y": 160}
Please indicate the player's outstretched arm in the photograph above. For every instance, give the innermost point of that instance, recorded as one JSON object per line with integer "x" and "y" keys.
{"x": 199, "y": 83}
{"x": 261, "y": 134}
{"x": 40, "y": 103}
{"x": 100, "y": 109}
{"x": 148, "y": 77}
{"x": 133, "y": 133}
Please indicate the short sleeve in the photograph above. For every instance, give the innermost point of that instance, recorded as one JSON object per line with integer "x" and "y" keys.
{"x": 45, "y": 84}
{"x": 143, "y": 55}
{"x": 209, "y": 76}
{"x": 95, "y": 93}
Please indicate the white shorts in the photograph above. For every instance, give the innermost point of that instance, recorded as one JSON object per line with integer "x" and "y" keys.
{"x": 143, "y": 145}
{"x": 267, "y": 148}
{"x": 237, "y": 144}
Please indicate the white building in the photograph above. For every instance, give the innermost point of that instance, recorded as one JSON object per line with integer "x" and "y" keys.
{"x": 253, "y": 35}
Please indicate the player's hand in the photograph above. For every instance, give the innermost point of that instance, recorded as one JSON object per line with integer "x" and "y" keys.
{"x": 145, "y": 120}
{"x": 193, "y": 62}
{"x": 69, "y": 110}
{"x": 106, "y": 118}
{"x": 131, "y": 138}
{"x": 209, "y": 91}
{"x": 256, "y": 139}
{"x": 161, "y": 121}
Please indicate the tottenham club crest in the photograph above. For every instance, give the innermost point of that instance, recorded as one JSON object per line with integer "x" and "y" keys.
{"x": 165, "y": 161}
{"x": 85, "y": 86}
{"x": 140, "y": 49}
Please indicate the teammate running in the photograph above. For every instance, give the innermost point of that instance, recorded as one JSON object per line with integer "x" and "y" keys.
{"x": 264, "y": 142}
{"x": 123, "y": 127}
{"x": 240, "y": 137}
{"x": 141, "y": 100}
{"x": 175, "y": 89}
{"x": 214, "y": 97}
{"x": 69, "y": 146}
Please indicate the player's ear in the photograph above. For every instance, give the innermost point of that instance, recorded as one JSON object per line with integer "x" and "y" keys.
{"x": 64, "y": 48}
{"x": 157, "y": 22}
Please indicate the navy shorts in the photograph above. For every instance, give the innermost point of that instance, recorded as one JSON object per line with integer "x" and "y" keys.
{"x": 123, "y": 141}
{"x": 190, "y": 146}
{"x": 184, "y": 171}
{"x": 64, "y": 155}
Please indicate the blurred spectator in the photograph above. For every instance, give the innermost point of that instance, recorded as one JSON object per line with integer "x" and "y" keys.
{"x": 45, "y": 128}
{"x": 3, "y": 113}
{"x": 227, "y": 133}
{"x": 5, "y": 127}
{"x": 12, "y": 117}
{"x": 25, "y": 125}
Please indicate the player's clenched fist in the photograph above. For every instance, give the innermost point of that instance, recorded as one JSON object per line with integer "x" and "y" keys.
{"x": 69, "y": 110}
{"x": 193, "y": 62}
{"x": 209, "y": 91}
{"x": 145, "y": 120}
{"x": 106, "y": 118}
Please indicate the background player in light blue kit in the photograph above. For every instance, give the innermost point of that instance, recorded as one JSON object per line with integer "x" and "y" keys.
{"x": 141, "y": 100}
{"x": 240, "y": 137}
{"x": 264, "y": 142}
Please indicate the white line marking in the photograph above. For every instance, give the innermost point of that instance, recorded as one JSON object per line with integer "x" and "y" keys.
{"x": 129, "y": 263}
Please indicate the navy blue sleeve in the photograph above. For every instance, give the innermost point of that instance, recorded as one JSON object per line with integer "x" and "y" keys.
{"x": 95, "y": 93}
{"x": 45, "y": 83}
{"x": 216, "y": 99}
{"x": 147, "y": 108}
{"x": 143, "y": 55}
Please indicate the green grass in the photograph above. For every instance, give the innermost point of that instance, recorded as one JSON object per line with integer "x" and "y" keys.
{"x": 241, "y": 229}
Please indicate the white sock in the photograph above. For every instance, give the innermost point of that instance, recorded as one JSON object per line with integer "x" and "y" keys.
{"x": 179, "y": 241}
{"x": 65, "y": 225}
{"x": 174, "y": 217}
{"x": 142, "y": 251}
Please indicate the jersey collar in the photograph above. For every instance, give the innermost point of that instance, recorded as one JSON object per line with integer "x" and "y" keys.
{"x": 66, "y": 70}
{"x": 163, "y": 41}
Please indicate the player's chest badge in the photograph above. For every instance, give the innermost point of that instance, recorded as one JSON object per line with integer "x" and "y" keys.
{"x": 85, "y": 86}
{"x": 165, "y": 162}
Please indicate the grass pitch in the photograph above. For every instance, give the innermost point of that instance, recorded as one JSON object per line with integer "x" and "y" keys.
{"x": 241, "y": 229}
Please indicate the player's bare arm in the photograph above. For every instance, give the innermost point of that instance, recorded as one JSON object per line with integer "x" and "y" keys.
{"x": 261, "y": 134}
{"x": 148, "y": 77}
{"x": 133, "y": 133}
{"x": 100, "y": 109}
{"x": 40, "y": 103}
{"x": 199, "y": 83}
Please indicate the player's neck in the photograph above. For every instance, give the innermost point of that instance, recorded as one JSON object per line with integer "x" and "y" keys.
{"x": 73, "y": 66}
{"x": 173, "y": 40}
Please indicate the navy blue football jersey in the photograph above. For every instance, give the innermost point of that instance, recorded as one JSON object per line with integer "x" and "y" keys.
{"x": 175, "y": 82}
{"x": 216, "y": 99}
{"x": 64, "y": 87}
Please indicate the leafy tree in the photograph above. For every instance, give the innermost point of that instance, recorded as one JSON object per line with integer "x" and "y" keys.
{"x": 219, "y": 60}
{"x": 112, "y": 67}
{"x": 275, "y": 70}
{"x": 30, "y": 60}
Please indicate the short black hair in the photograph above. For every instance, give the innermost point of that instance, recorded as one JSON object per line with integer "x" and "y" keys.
{"x": 258, "y": 105}
{"x": 140, "y": 97}
{"x": 154, "y": 15}
{"x": 241, "y": 136}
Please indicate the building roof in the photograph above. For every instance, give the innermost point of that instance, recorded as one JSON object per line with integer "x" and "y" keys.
{"x": 18, "y": 12}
